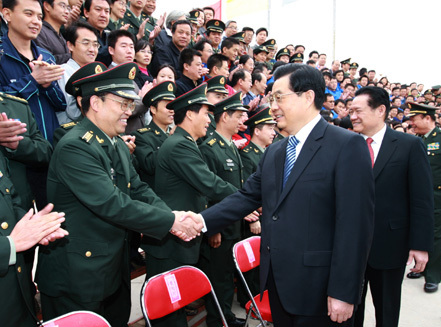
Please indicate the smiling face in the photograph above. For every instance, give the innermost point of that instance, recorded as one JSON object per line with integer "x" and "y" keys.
{"x": 144, "y": 56}
{"x": 365, "y": 119}
{"x": 118, "y": 8}
{"x": 106, "y": 113}
{"x": 58, "y": 12}
{"x": 161, "y": 115}
{"x": 24, "y": 20}
{"x": 85, "y": 49}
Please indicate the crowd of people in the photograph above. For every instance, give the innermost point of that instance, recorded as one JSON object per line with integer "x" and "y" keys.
{"x": 132, "y": 125}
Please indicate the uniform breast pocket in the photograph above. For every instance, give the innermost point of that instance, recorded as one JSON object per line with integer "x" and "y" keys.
{"x": 230, "y": 166}
{"x": 5, "y": 186}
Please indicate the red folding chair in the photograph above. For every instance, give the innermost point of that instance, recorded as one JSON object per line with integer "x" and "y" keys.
{"x": 174, "y": 289}
{"x": 78, "y": 319}
{"x": 246, "y": 254}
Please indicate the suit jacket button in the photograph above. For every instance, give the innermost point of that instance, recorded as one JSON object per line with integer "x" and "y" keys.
{"x": 19, "y": 269}
{"x": 5, "y": 225}
{"x": 275, "y": 218}
{"x": 88, "y": 254}
{"x": 268, "y": 248}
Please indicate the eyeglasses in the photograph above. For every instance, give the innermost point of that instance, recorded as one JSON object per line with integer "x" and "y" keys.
{"x": 64, "y": 6}
{"x": 277, "y": 97}
{"x": 125, "y": 105}
{"x": 88, "y": 43}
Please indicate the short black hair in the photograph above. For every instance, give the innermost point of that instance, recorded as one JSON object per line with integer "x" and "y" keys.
{"x": 142, "y": 44}
{"x": 201, "y": 44}
{"x": 376, "y": 97}
{"x": 187, "y": 56}
{"x": 85, "y": 101}
{"x": 10, "y": 4}
{"x": 238, "y": 75}
{"x": 261, "y": 29}
{"x": 113, "y": 37}
{"x": 71, "y": 33}
{"x": 167, "y": 66}
{"x": 209, "y": 8}
{"x": 244, "y": 58}
{"x": 88, "y": 3}
{"x": 312, "y": 52}
{"x": 229, "y": 42}
{"x": 339, "y": 101}
{"x": 180, "y": 114}
{"x": 303, "y": 78}
{"x": 256, "y": 77}
{"x": 217, "y": 60}
{"x": 299, "y": 46}
{"x": 247, "y": 29}
{"x": 260, "y": 66}
{"x": 181, "y": 22}
{"x": 310, "y": 62}
{"x": 277, "y": 64}
{"x": 254, "y": 127}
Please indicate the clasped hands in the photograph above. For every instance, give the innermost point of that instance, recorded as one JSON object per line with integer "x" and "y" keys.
{"x": 187, "y": 225}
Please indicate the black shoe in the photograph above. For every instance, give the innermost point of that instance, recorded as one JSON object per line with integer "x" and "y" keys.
{"x": 237, "y": 322}
{"x": 414, "y": 275}
{"x": 430, "y": 287}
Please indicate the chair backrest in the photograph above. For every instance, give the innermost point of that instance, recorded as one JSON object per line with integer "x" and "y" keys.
{"x": 78, "y": 319}
{"x": 165, "y": 293}
{"x": 247, "y": 253}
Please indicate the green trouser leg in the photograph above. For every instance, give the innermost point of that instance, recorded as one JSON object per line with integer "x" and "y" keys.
{"x": 433, "y": 267}
{"x": 156, "y": 266}
{"x": 218, "y": 264}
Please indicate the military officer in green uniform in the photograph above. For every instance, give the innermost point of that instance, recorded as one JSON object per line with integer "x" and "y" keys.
{"x": 423, "y": 119}
{"x": 85, "y": 71}
{"x": 184, "y": 181}
{"x": 136, "y": 18}
{"x": 271, "y": 46}
{"x": 223, "y": 159}
{"x": 92, "y": 180}
{"x": 215, "y": 28}
{"x": 296, "y": 58}
{"x": 216, "y": 92}
{"x": 149, "y": 139}
{"x": 283, "y": 55}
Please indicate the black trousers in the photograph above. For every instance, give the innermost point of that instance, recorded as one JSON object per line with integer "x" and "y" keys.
{"x": 385, "y": 286}
{"x": 282, "y": 318}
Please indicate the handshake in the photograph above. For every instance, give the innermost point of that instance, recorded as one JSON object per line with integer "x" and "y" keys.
{"x": 187, "y": 225}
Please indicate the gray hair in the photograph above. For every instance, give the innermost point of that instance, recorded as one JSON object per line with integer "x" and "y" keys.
{"x": 174, "y": 16}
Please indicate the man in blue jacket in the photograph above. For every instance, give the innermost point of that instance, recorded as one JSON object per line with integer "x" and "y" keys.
{"x": 28, "y": 71}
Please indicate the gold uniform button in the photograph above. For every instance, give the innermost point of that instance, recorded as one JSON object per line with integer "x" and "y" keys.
{"x": 7, "y": 190}
{"x": 5, "y": 225}
{"x": 128, "y": 185}
{"x": 439, "y": 187}
{"x": 88, "y": 254}
{"x": 19, "y": 269}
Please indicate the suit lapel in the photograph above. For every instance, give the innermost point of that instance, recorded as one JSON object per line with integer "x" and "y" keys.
{"x": 279, "y": 158}
{"x": 311, "y": 146}
{"x": 387, "y": 148}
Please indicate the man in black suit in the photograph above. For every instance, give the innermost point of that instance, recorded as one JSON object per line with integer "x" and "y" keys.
{"x": 403, "y": 204}
{"x": 317, "y": 218}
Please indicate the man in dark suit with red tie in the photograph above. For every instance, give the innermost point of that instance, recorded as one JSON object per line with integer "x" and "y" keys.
{"x": 403, "y": 204}
{"x": 316, "y": 191}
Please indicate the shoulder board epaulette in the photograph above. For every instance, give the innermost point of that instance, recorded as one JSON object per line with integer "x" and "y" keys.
{"x": 67, "y": 125}
{"x": 211, "y": 142}
{"x": 144, "y": 129}
{"x": 14, "y": 98}
{"x": 88, "y": 137}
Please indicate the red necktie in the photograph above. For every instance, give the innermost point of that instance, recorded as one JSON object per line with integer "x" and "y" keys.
{"x": 369, "y": 141}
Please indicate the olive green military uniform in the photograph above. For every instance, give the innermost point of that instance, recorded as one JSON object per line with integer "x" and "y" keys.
{"x": 32, "y": 151}
{"x": 92, "y": 180}
{"x": 62, "y": 130}
{"x": 135, "y": 23}
{"x": 433, "y": 144}
{"x": 148, "y": 141}
{"x": 250, "y": 156}
{"x": 16, "y": 299}
{"x": 223, "y": 160}
{"x": 184, "y": 182}
{"x": 115, "y": 25}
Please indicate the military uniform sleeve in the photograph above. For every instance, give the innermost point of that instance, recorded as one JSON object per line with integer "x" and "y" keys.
{"x": 82, "y": 171}
{"x": 421, "y": 199}
{"x": 145, "y": 153}
{"x": 34, "y": 149}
